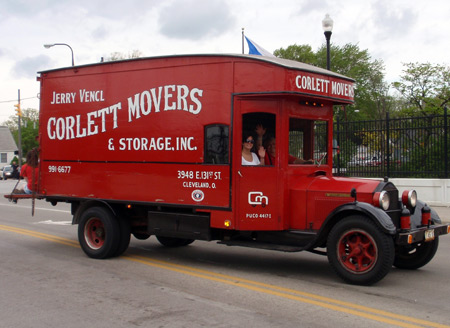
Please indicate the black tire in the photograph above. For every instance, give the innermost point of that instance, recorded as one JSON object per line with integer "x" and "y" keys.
{"x": 125, "y": 236}
{"x": 98, "y": 233}
{"x": 359, "y": 252}
{"x": 415, "y": 256}
{"x": 174, "y": 242}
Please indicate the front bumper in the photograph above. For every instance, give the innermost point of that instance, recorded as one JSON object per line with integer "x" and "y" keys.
{"x": 422, "y": 234}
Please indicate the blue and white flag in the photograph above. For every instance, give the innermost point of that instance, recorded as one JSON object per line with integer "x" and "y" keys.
{"x": 255, "y": 49}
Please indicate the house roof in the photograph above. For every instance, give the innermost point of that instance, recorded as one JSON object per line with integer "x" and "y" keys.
{"x": 7, "y": 142}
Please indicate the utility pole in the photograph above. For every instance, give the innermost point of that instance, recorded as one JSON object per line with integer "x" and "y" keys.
{"x": 19, "y": 116}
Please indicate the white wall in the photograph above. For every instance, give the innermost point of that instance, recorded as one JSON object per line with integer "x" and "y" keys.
{"x": 9, "y": 157}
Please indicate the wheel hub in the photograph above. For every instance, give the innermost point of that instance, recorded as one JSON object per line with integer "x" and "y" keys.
{"x": 94, "y": 233}
{"x": 357, "y": 251}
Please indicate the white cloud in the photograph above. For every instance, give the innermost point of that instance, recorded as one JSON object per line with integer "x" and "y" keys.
{"x": 395, "y": 31}
{"x": 27, "y": 67}
{"x": 194, "y": 19}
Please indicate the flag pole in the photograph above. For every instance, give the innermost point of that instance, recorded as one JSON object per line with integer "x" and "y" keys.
{"x": 242, "y": 40}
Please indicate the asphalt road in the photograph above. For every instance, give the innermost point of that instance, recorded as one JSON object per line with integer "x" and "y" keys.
{"x": 47, "y": 281}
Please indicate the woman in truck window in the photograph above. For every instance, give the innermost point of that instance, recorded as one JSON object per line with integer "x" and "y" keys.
{"x": 249, "y": 157}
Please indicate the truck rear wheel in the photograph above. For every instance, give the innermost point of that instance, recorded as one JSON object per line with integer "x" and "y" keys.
{"x": 359, "y": 252}
{"x": 99, "y": 233}
{"x": 125, "y": 236}
{"x": 414, "y": 257}
{"x": 174, "y": 242}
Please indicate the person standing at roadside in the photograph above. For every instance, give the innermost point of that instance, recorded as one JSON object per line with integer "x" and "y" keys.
{"x": 15, "y": 172}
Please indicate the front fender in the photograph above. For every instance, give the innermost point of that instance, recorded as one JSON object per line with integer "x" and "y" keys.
{"x": 416, "y": 215}
{"x": 374, "y": 213}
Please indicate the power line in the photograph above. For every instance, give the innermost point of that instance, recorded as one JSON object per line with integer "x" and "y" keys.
{"x": 15, "y": 100}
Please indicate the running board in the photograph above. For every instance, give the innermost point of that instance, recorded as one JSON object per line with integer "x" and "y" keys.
{"x": 260, "y": 245}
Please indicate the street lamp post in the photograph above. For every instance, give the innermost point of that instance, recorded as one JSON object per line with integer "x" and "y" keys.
{"x": 327, "y": 25}
{"x": 47, "y": 46}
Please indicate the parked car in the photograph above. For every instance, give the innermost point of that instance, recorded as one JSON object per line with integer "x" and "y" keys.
{"x": 365, "y": 161}
{"x": 373, "y": 161}
{"x": 356, "y": 161}
{"x": 7, "y": 172}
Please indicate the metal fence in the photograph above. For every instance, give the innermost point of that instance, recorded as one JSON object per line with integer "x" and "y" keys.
{"x": 415, "y": 147}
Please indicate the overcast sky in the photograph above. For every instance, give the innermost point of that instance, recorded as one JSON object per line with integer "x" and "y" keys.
{"x": 394, "y": 31}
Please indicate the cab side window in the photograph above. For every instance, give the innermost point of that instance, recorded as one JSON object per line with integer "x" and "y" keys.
{"x": 300, "y": 139}
{"x": 321, "y": 142}
{"x": 307, "y": 141}
{"x": 216, "y": 144}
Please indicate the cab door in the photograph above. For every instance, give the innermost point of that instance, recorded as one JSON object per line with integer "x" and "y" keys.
{"x": 257, "y": 187}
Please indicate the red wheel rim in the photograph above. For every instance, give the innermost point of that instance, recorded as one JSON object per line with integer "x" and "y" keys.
{"x": 94, "y": 233}
{"x": 357, "y": 251}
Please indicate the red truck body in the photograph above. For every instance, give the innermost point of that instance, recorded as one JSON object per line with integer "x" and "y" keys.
{"x": 135, "y": 131}
{"x": 154, "y": 146}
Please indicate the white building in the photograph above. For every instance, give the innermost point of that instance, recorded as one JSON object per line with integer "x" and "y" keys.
{"x": 7, "y": 146}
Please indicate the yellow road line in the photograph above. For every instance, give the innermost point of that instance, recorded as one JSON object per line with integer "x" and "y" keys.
{"x": 292, "y": 294}
{"x": 326, "y": 302}
{"x": 41, "y": 235}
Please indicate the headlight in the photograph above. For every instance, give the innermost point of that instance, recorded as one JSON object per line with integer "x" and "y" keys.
{"x": 381, "y": 200}
{"x": 409, "y": 198}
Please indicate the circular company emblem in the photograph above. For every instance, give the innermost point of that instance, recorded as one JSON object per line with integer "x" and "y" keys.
{"x": 198, "y": 195}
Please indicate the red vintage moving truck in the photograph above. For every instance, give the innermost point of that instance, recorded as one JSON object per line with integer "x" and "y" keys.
{"x": 153, "y": 146}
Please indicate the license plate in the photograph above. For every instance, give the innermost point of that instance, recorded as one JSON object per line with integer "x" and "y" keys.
{"x": 429, "y": 235}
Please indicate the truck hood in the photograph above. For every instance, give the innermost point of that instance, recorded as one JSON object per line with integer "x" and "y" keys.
{"x": 340, "y": 185}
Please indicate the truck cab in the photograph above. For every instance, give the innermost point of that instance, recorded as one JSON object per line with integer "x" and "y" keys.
{"x": 292, "y": 201}
{"x": 297, "y": 137}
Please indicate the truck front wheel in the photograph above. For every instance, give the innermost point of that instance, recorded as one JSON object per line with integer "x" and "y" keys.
{"x": 415, "y": 256}
{"x": 359, "y": 252}
{"x": 99, "y": 233}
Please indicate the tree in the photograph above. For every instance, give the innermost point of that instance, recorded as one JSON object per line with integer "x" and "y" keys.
{"x": 121, "y": 56}
{"x": 302, "y": 53}
{"x": 29, "y": 129}
{"x": 371, "y": 95}
{"x": 425, "y": 87}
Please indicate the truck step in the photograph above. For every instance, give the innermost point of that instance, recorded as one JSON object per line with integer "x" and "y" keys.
{"x": 262, "y": 245}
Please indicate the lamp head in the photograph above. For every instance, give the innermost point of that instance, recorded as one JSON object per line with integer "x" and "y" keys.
{"x": 48, "y": 45}
{"x": 327, "y": 23}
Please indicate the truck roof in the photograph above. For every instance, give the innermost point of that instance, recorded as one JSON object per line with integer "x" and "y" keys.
{"x": 274, "y": 60}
